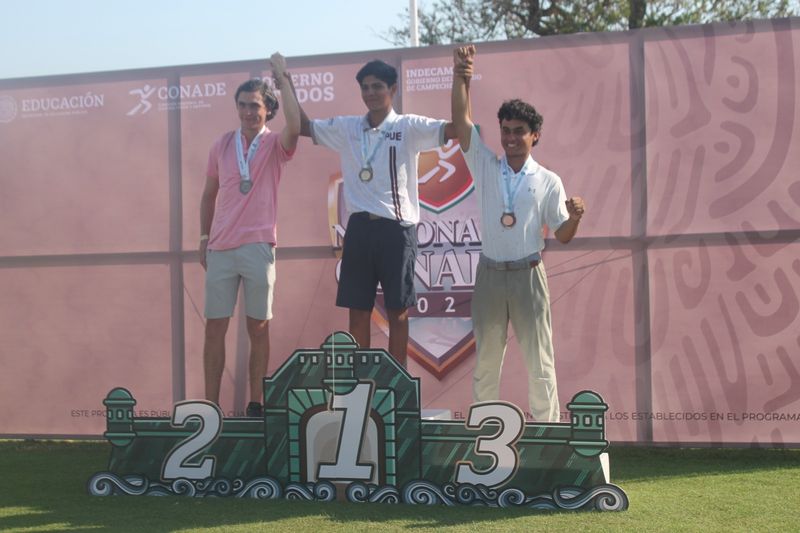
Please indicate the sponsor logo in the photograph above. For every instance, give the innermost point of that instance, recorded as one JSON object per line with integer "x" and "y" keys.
{"x": 431, "y": 78}
{"x": 444, "y": 178}
{"x": 171, "y": 97}
{"x": 8, "y": 108}
{"x": 144, "y": 104}
{"x": 53, "y": 106}
{"x": 310, "y": 86}
{"x": 440, "y": 326}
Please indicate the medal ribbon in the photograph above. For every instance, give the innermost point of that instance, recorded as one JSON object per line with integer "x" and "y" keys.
{"x": 367, "y": 160}
{"x": 244, "y": 164}
{"x": 511, "y": 182}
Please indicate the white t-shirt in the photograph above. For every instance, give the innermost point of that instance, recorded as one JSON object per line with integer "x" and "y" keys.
{"x": 540, "y": 200}
{"x": 392, "y": 192}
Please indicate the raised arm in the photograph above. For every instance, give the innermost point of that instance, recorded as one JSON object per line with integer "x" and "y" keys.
{"x": 459, "y": 102}
{"x": 291, "y": 109}
{"x": 305, "y": 123}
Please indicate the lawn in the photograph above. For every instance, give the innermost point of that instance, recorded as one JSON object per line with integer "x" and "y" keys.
{"x": 43, "y": 488}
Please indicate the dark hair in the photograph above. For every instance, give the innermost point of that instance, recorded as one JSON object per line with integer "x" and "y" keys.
{"x": 380, "y": 69}
{"x": 257, "y": 85}
{"x": 518, "y": 110}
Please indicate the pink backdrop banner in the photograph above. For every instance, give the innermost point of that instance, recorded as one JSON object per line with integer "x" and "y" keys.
{"x": 678, "y": 301}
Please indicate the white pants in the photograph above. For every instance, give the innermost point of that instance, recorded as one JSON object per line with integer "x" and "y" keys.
{"x": 522, "y": 297}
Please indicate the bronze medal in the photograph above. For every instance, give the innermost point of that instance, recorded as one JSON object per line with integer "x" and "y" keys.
{"x": 508, "y": 220}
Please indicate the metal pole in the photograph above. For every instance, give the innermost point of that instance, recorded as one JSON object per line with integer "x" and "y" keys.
{"x": 413, "y": 23}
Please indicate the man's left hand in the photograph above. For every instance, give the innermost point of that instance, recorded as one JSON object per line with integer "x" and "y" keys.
{"x": 575, "y": 207}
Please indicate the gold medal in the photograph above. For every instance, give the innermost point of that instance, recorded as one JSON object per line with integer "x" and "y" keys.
{"x": 508, "y": 220}
{"x": 365, "y": 174}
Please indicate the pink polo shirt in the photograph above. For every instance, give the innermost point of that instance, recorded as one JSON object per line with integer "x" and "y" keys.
{"x": 246, "y": 218}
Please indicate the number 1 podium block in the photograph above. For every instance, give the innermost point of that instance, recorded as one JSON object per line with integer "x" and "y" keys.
{"x": 342, "y": 420}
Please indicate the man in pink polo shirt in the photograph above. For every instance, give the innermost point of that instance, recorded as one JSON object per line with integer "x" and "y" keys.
{"x": 238, "y": 215}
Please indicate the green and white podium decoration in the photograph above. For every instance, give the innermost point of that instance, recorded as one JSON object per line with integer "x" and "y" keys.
{"x": 341, "y": 422}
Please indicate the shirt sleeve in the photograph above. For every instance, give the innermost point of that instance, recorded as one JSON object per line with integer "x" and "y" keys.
{"x": 427, "y": 133}
{"x": 279, "y": 151}
{"x": 555, "y": 211}
{"x": 329, "y": 132}
{"x": 478, "y": 154}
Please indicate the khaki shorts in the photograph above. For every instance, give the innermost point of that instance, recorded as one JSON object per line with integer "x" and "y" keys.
{"x": 254, "y": 264}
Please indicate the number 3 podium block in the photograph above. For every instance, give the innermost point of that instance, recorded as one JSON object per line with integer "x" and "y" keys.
{"x": 344, "y": 422}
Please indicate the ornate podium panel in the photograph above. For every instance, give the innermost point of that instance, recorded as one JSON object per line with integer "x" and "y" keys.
{"x": 341, "y": 422}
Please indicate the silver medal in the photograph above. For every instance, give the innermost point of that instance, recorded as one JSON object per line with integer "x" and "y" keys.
{"x": 245, "y": 183}
{"x": 365, "y": 174}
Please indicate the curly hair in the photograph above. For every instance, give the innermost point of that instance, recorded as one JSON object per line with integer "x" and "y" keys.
{"x": 380, "y": 69}
{"x": 518, "y": 110}
{"x": 257, "y": 85}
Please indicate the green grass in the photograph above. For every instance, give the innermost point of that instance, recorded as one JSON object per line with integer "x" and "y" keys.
{"x": 43, "y": 488}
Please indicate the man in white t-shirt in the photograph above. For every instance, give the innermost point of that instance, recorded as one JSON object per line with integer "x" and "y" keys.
{"x": 516, "y": 197}
{"x": 379, "y": 153}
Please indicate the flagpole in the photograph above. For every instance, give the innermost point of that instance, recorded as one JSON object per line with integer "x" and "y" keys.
{"x": 413, "y": 22}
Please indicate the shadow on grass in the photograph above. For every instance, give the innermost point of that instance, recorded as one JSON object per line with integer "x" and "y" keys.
{"x": 43, "y": 487}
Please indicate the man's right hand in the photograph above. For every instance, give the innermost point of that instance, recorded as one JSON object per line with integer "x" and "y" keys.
{"x": 462, "y": 61}
{"x": 278, "y": 63}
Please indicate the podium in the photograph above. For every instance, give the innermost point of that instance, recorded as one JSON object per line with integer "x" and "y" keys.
{"x": 345, "y": 423}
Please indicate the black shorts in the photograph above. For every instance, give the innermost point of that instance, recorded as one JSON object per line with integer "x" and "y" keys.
{"x": 377, "y": 250}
